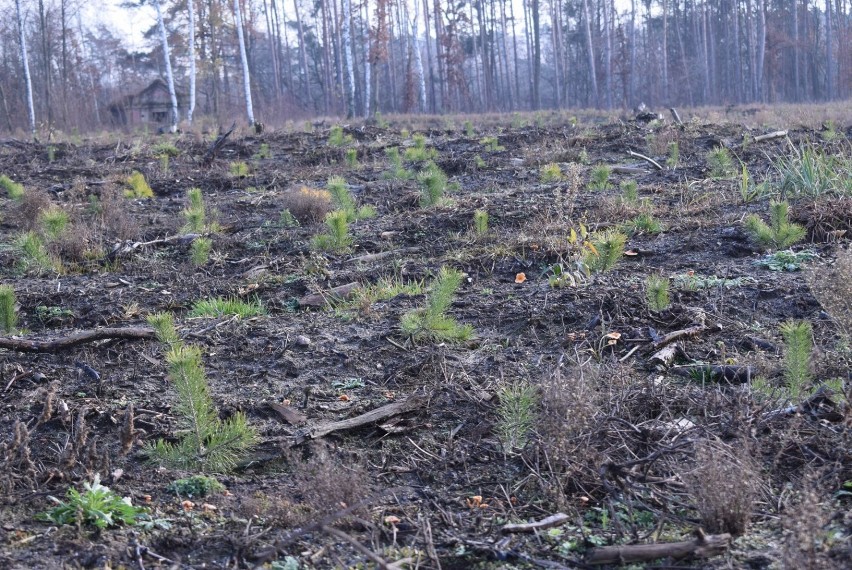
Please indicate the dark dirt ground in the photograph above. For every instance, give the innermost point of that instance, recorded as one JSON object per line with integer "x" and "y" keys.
{"x": 618, "y": 443}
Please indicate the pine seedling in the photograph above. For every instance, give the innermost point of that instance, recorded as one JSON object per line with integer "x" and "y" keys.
{"x": 208, "y": 443}
{"x": 139, "y": 188}
{"x": 780, "y": 233}
{"x": 53, "y": 221}
{"x": 604, "y": 251}
{"x": 480, "y": 222}
{"x": 629, "y": 191}
{"x": 550, "y": 173}
{"x": 33, "y": 254}
{"x": 516, "y": 414}
{"x": 341, "y": 197}
{"x": 336, "y": 138}
{"x": 337, "y": 238}
{"x": 14, "y": 190}
{"x": 8, "y": 314}
{"x": 397, "y": 170}
{"x": 644, "y": 223}
{"x": 600, "y": 178}
{"x": 657, "y": 292}
{"x": 492, "y": 144}
{"x": 239, "y": 169}
{"x": 164, "y": 327}
{"x": 419, "y": 152}
{"x": 432, "y": 321}
{"x": 195, "y": 212}
{"x": 199, "y": 251}
{"x": 798, "y": 345}
{"x": 352, "y": 158}
{"x": 433, "y": 184}
{"x": 720, "y": 162}
{"x": 674, "y": 155}
{"x": 468, "y": 130}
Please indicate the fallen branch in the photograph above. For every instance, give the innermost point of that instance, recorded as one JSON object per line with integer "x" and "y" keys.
{"x": 628, "y": 170}
{"x": 321, "y": 299}
{"x": 381, "y": 255}
{"x": 217, "y": 145}
{"x": 413, "y": 402}
{"x": 677, "y": 335}
{"x": 646, "y": 159}
{"x": 770, "y": 136}
{"x": 82, "y": 337}
{"x": 704, "y": 546}
{"x": 131, "y": 246}
{"x": 545, "y": 523}
{"x": 665, "y": 356}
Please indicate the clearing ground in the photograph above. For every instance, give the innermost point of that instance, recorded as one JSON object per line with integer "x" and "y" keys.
{"x": 639, "y": 419}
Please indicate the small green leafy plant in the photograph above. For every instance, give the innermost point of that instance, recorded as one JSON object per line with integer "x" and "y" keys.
{"x": 516, "y": 414}
{"x": 337, "y": 238}
{"x": 480, "y": 222}
{"x": 336, "y": 137}
{"x": 468, "y": 130}
{"x": 785, "y": 260}
{"x": 779, "y": 233}
{"x": 600, "y": 178}
{"x": 749, "y": 191}
{"x": 606, "y": 249}
{"x": 432, "y": 322}
{"x": 674, "y": 155}
{"x": 97, "y": 505}
{"x": 263, "y": 152}
{"x": 629, "y": 192}
{"x": 550, "y": 173}
{"x": 207, "y": 443}
{"x": 433, "y": 185}
{"x": 196, "y": 486}
{"x": 798, "y": 345}
{"x": 8, "y": 314}
{"x": 657, "y": 292}
{"x": 720, "y": 162}
{"x": 14, "y": 190}
{"x": 139, "y": 188}
{"x": 230, "y": 306}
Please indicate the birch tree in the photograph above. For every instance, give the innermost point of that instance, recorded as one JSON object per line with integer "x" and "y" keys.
{"x": 191, "y": 9}
{"x": 238, "y": 20}
{"x": 26, "y": 66}
{"x": 418, "y": 60}
{"x": 169, "y": 76}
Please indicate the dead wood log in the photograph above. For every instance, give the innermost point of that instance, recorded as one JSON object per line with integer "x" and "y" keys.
{"x": 677, "y": 335}
{"x": 321, "y": 299}
{"x": 545, "y": 523}
{"x": 647, "y": 159}
{"x": 82, "y": 337}
{"x": 628, "y": 170}
{"x": 676, "y": 116}
{"x": 382, "y": 254}
{"x": 127, "y": 247}
{"x": 413, "y": 402}
{"x": 290, "y": 415}
{"x": 664, "y": 356}
{"x": 217, "y": 145}
{"x": 704, "y": 546}
{"x": 770, "y": 136}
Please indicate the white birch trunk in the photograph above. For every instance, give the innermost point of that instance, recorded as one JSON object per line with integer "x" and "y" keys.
{"x": 347, "y": 58}
{"x": 238, "y": 19}
{"x": 27, "y": 79}
{"x": 169, "y": 77}
{"x": 418, "y": 60}
{"x": 367, "y": 70}
{"x": 191, "y": 7}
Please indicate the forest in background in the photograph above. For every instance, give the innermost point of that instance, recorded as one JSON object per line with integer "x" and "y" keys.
{"x": 344, "y": 57}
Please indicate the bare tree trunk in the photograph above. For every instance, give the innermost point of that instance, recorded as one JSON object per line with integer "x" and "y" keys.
{"x": 477, "y": 45}
{"x": 64, "y": 24}
{"x": 557, "y": 50}
{"x": 608, "y": 59}
{"x": 45, "y": 60}
{"x": 303, "y": 58}
{"x": 829, "y": 55}
{"x": 418, "y": 60}
{"x": 347, "y": 58}
{"x": 368, "y": 72}
{"x": 191, "y": 10}
{"x": 796, "y": 81}
{"x": 5, "y": 108}
{"x": 666, "y": 51}
{"x": 587, "y": 28}
{"x": 238, "y": 20}
{"x": 515, "y": 53}
{"x": 170, "y": 80}
{"x": 537, "y": 54}
{"x": 632, "y": 101}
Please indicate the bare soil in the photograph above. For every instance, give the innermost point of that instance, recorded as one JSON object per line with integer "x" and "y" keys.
{"x": 619, "y": 444}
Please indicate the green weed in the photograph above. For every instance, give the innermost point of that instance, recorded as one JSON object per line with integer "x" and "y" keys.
{"x": 14, "y": 190}
{"x": 96, "y": 505}
{"x": 139, "y": 188}
{"x": 196, "y": 486}
{"x": 812, "y": 173}
{"x": 607, "y": 248}
{"x": 644, "y": 223}
{"x": 785, "y": 260}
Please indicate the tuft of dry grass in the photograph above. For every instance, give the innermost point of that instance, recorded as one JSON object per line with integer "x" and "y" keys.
{"x": 832, "y": 287}
{"x": 307, "y": 205}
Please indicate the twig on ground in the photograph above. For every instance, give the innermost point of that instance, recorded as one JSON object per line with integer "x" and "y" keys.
{"x": 648, "y": 159}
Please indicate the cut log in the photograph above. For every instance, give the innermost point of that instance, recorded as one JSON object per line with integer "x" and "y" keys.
{"x": 770, "y": 136}
{"x": 339, "y": 293}
{"x": 704, "y": 546}
{"x": 82, "y": 337}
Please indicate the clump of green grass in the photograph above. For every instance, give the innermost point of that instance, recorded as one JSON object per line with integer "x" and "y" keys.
{"x": 629, "y": 191}
{"x": 812, "y": 173}
{"x": 607, "y": 248}
{"x": 749, "y": 191}
{"x": 491, "y": 144}
{"x": 199, "y": 251}
{"x": 195, "y": 213}
{"x": 479, "y": 162}
{"x": 14, "y": 190}
{"x": 53, "y": 221}
{"x": 419, "y": 152}
{"x": 657, "y": 292}
{"x": 230, "y": 306}
{"x": 139, "y": 188}
{"x": 432, "y": 321}
{"x": 8, "y": 314}
{"x": 33, "y": 254}
{"x": 208, "y": 443}
{"x": 644, "y": 223}
{"x": 397, "y": 170}
{"x": 517, "y": 412}
{"x": 550, "y": 173}
{"x": 165, "y": 149}
{"x": 97, "y": 505}
{"x": 343, "y": 200}
{"x": 600, "y": 178}
{"x": 720, "y": 162}
{"x": 337, "y": 238}
{"x": 480, "y": 222}
{"x": 798, "y": 346}
{"x": 779, "y": 233}
{"x": 433, "y": 185}
{"x": 468, "y": 130}
{"x": 336, "y": 137}
{"x": 239, "y": 169}
{"x": 196, "y": 486}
